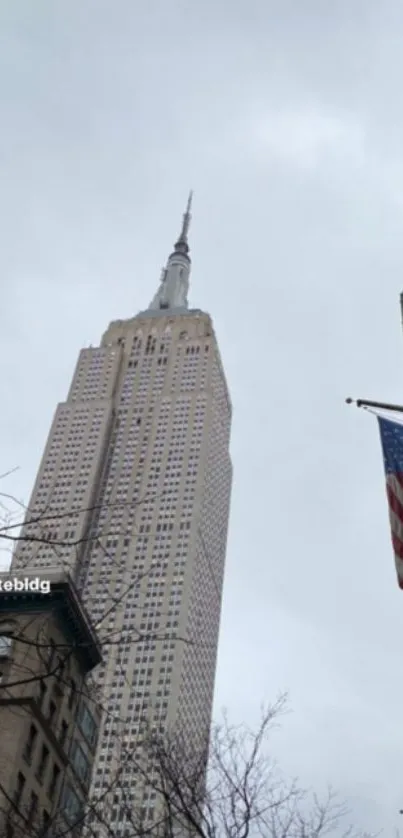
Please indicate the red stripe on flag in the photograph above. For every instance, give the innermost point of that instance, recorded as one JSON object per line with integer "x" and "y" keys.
{"x": 397, "y": 545}
{"x": 394, "y": 502}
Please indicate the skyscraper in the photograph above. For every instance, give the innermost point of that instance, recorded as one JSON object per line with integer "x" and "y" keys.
{"x": 132, "y": 496}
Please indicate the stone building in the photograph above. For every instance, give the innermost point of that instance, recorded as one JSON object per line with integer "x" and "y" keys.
{"x": 49, "y": 715}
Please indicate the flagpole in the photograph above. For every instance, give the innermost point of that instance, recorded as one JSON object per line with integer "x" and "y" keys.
{"x": 381, "y": 405}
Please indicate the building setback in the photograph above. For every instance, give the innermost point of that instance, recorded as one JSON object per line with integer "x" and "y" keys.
{"x": 137, "y": 467}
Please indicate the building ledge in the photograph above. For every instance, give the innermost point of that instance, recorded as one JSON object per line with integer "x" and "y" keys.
{"x": 62, "y": 599}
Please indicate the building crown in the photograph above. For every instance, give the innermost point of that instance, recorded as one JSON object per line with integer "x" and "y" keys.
{"x": 174, "y": 283}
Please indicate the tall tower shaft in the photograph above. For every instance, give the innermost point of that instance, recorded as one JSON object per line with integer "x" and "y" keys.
{"x": 133, "y": 493}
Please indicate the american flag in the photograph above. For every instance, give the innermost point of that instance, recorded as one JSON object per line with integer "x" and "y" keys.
{"x": 392, "y": 447}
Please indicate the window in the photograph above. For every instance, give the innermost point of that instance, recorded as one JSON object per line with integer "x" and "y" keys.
{"x": 20, "y": 788}
{"x": 61, "y": 665}
{"x": 71, "y": 805}
{"x": 33, "y": 807}
{"x": 63, "y": 732}
{"x": 86, "y": 723}
{"x": 51, "y": 654}
{"x": 30, "y": 745}
{"x": 42, "y": 693}
{"x": 72, "y": 693}
{"x": 53, "y": 781}
{"x": 5, "y": 646}
{"x": 45, "y": 821}
{"x": 80, "y": 763}
{"x": 42, "y": 763}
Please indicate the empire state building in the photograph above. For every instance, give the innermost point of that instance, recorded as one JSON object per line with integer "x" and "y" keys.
{"x": 136, "y": 480}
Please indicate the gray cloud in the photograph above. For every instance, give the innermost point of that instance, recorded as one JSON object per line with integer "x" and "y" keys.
{"x": 285, "y": 118}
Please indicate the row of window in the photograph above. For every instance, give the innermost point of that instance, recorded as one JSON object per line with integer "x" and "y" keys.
{"x": 30, "y": 755}
{"x": 31, "y": 811}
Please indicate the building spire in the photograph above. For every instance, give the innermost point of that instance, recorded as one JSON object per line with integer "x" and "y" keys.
{"x": 174, "y": 283}
{"x": 182, "y": 244}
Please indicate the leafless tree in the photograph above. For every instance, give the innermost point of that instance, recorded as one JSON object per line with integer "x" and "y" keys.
{"x": 229, "y": 787}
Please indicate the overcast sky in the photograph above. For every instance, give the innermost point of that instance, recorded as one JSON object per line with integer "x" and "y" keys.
{"x": 285, "y": 117}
